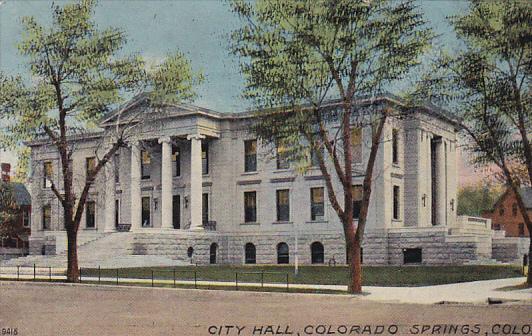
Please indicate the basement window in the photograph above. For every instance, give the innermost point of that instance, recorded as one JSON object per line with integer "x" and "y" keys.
{"x": 412, "y": 256}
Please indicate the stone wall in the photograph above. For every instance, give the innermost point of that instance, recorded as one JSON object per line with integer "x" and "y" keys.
{"x": 510, "y": 249}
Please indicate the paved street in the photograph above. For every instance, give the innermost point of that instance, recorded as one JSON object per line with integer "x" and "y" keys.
{"x": 44, "y": 309}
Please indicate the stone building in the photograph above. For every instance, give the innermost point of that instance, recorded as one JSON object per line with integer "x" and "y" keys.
{"x": 195, "y": 185}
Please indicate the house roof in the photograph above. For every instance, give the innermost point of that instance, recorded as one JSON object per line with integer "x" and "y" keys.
{"x": 526, "y": 195}
{"x": 20, "y": 193}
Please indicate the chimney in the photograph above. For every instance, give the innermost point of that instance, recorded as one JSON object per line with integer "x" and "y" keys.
{"x": 5, "y": 172}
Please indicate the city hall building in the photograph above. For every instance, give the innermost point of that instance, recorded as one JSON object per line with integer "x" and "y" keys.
{"x": 195, "y": 185}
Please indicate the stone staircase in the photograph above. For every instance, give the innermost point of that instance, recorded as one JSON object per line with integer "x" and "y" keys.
{"x": 109, "y": 250}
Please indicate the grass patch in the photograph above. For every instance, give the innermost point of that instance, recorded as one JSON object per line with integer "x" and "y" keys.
{"x": 321, "y": 275}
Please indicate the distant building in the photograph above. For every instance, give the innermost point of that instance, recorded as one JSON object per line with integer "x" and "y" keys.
{"x": 505, "y": 214}
{"x": 16, "y": 242}
{"x": 5, "y": 172}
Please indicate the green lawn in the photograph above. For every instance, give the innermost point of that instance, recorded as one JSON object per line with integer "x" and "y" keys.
{"x": 325, "y": 275}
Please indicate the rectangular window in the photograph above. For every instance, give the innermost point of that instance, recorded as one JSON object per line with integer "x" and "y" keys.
{"x": 205, "y": 208}
{"x": 90, "y": 215}
{"x": 90, "y": 164}
{"x": 46, "y": 217}
{"x": 357, "y": 200}
{"x": 514, "y": 209}
{"x": 205, "y": 158}
{"x": 521, "y": 227}
{"x": 282, "y": 159}
{"x": 356, "y": 144}
{"x": 250, "y": 207}
{"x": 412, "y": 256}
{"x": 317, "y": 210}
{"x": 26, "y": 219}
{"x": 396, "y": 199}
{"x": 117, "y": 168}
{"x": 395, "y": 146}
{"x": 314, "y": 161}
{"x": 176, "y": 159}
{"x": 250, "y": 155}
{"x": 48, "y": 173}
{"x": 117, "y": 213}
{"x": 145, "y": 164}
{"x": 283, "y": 205}
{"x": 146, "y": 212}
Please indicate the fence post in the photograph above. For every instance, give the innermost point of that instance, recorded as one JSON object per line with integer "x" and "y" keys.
{"x": 195, "y": 279}
{"x": 174, "y": 277}
{"x": 34, "y": 272}
{"x": 262, "y": 278}
{"x": 18, "y": 272}
{"x": 50, "y": 273}
{"x": 287, "y": 289}
{"x": 152, "y": 278}
{"x": 99, "y": 274}
{"x": 236, "y": 280}
{"x": 117, "y": 276}
{"x": 80, "y": 275}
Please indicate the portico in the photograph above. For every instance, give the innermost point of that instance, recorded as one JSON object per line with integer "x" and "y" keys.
{"x": 193, "y": 188}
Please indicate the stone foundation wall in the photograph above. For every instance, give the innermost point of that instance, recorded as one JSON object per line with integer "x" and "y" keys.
{"x": 437, "y": 247}
{"x": 510, "y": 249}
{"x": 42, "y": 245}
{"x": 379, "y": 247}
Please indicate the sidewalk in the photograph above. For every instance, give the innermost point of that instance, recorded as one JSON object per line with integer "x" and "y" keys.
{"x": 476, "y": 292}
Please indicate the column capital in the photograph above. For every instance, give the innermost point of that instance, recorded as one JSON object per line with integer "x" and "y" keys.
{"x": 164, "y": 139}
{"x": 133, "y": 142}
{"x": 196, "y": 136}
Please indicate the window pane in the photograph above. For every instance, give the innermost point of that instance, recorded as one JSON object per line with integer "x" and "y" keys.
{"x": 90, "y": 164}
{"x": 48, "y": 173}
{"x": 357, "y": 200}
{"x": 395, "y": 146}
{"x": 356, "y": 143}
{"x": 396, "y": 202}
{"x": 283, "y": 256}
{"x": 176, "y": 158}
{"x": 283, "y": 206}
{"x": 282, "y": 160}
{"x": 250, "y": 254}
{"x": 90, "y": 214}
{"x": 204, "y": 158}
{"x": 145, "y": 164}
{"x": 117, "y": 168}
{"x": 317, "y": 204}
{"x": 146, "y": 209}
{"x": 205, "y": 208}
{"x": 250, "y": 206}
{"x": 250, "y": 156}
{"x": 46, "y": 217}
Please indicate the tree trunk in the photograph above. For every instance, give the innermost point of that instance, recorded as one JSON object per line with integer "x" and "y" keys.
{"x": 72, "y": 245}
{"x": 355, "y": 268}
{"x": 529, "y": 277}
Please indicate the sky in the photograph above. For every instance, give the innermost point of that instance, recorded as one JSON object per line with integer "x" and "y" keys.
{"x": 197, "y": 28}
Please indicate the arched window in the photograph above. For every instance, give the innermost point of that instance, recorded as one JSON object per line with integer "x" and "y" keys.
{"x": 317, "y": 253}
{"x": 251, "y": 254}
{"x": 213, "y": 251}
{"x": 282, "y": 253}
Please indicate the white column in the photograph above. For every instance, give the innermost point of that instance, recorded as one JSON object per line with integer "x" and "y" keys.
{"x": 166, "y": 183}
{"x": 110, "y": 196}
{"x": 441, "y": 184}
{"x": 135, "y": 199}
{"x": 195, "y": 182}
